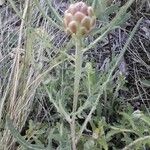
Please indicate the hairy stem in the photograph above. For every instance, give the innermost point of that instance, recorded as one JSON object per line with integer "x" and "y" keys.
{"x": 78, "y": 70}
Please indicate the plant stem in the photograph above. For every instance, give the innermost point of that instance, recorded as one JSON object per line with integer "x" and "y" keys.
{"x": 78, "y": 70}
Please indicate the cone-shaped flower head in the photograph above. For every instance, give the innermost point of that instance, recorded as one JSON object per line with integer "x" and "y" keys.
{"x": 79, "y": 18}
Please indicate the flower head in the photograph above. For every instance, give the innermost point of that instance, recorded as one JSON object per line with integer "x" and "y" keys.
{"x": 79, "y": 18}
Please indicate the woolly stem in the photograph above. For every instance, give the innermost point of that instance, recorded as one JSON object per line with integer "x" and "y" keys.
{"x": 78, "y": 71}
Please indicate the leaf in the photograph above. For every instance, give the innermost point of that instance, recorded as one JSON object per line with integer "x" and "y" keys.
{"x": 139, "y": 115}
{"x": 121, "y": 13}
{"x": 113, "y": 25}
{"x": 103, "y": 143}
{"x": 91, "y": 76}
{"x": 129, "y": 119}
{"x": 116, "y": 20}
{"x": 100, "y": 11}
{"x": 112, "y": 9}
{"x": 20, "y": 139}
{"x": 146, "y": 83}
{"x": 139, "y": 141}
{"x": 89, "y": 145}
{"x": 94, "y": 4}
{"x": 116, "y": 130}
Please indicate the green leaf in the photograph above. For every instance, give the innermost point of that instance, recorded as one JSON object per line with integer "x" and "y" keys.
{"x": 112, "y": 9}
{"x": 94, "y": 4}
{"x": 103, "y": 143}
{"x": 138, "y": 142}
{"x": 139, "y": 115}
{"x": 146, "y": 83}
{"x": 20, "y": 139}
{"x": 89, "y": 145}
{"x": 129, "y": 119}
{"x": 116, "y": 20}
{"x": 100, "y": 11}
{"x": 116, "y": 130}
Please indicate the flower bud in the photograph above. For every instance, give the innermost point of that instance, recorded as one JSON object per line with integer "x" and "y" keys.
{"x": 86, "y": 22}
{"x": 72, "y": 27}
{"x": 90, "y": 11}
{"x": 79, "y": 18}
{"x": 68, "y": 18}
